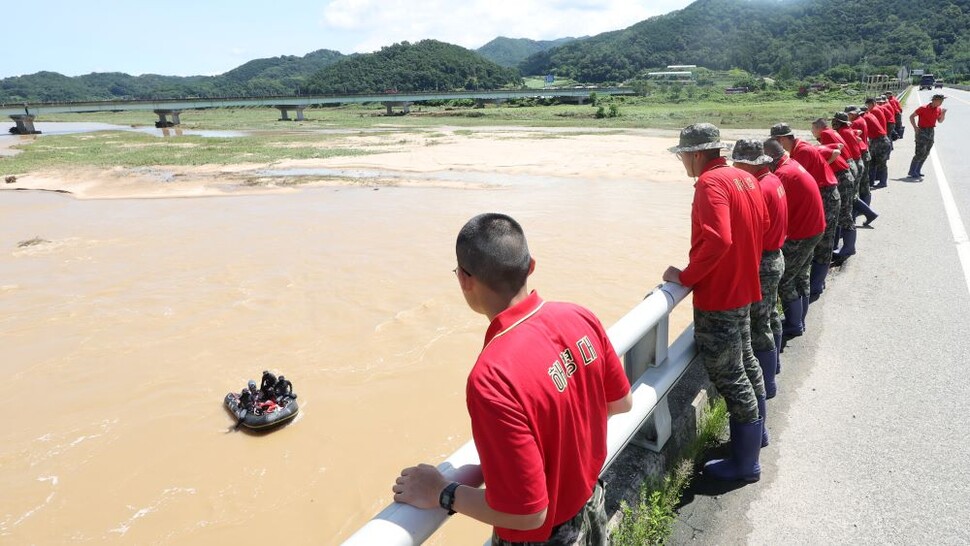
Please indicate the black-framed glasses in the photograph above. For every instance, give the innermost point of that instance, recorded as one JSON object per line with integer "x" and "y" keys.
{"x": 463, "y": 270}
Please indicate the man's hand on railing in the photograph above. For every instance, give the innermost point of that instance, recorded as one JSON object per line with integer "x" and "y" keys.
{"x": 672, "y": 274}
{"x": 420, "y": 486}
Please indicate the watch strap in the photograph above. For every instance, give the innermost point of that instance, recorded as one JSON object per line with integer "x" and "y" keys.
{"x": 447, "y": 497}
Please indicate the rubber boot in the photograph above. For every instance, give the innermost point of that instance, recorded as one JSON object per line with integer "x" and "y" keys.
{"x": 793, "y": 325}
{"x": 848, "y": 248}
{"x": 817, "y": 280}
{"x": 806, "y": 301}
{"x": 778, "y": 350}
{"x": 918, "y": 171}
{"x": 768, "y": 366}
{"x": 867, "y": 199}
{"x": 861, "y": 208}
{"x": 743, "y": 464}
{"x": 913, "y": 169}
{"x": 763, "y": 417}
{"x": 837, "y": 239}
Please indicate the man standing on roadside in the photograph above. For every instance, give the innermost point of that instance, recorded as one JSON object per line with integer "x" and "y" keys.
{"x": 748, "y": 155}
{"x": 806, "y": 225}
{"x": 538, "y": 396}
{"x": 928, "y": 116}
{"x": 811, "y": 159}
{"x": 728, "y": 223}
{"x": 879, "y": 144}
{"x": 842, "y": 166}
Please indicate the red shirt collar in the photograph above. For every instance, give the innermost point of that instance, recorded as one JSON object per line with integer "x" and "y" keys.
{"x": 715, "y": 163}
{"x": 513, "y": 316}
{"x": 763, "y": 173}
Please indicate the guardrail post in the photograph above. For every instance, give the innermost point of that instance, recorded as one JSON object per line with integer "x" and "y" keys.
{"x": 658, "y": 428}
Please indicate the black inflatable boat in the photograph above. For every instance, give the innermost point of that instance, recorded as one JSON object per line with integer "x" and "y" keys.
{"x": 272, "y": 403}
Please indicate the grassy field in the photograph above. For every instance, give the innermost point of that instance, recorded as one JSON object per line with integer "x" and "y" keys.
{"x": 273, "y": 140}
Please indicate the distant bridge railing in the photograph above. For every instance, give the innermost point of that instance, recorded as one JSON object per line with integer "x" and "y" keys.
{"x": 40, "y": 108}
{"x": 653, "y": 367}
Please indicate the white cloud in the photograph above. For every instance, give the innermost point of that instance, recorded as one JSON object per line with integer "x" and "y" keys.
{"x": 472, "y": 23}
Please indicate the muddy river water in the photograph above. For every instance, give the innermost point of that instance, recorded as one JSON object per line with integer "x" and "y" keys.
{"x": 122, "y": 330}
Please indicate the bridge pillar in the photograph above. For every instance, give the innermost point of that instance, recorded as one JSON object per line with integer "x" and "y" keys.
{"x": 285, "y": 115}
{"x": 405, "y": 107}
{"x": 25, "y": 124}
{"x": 163, "y": 118}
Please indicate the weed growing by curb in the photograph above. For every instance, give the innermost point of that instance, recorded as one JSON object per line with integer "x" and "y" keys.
{"x": 651, "y": 521}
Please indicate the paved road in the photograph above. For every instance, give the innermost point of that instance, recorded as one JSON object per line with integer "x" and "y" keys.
{"x": 870, "y": 428}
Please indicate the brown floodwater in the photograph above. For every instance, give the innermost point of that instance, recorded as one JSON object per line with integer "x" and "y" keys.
{"x": 121, "y": 334}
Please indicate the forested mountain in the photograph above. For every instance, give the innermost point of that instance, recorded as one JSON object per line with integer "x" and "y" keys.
{"x": 512, "y": 51}
{"x": 796, "y": 37}
{"x": 427, "y": 65}
{"x": 271, "y": 76}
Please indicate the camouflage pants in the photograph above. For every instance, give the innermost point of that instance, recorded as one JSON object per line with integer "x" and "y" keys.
{"x": 879, "y": 148}
{"x": 924, "y": 143}
{"x": 724, "y": 346}
{"x": 832, "y": 204}
{"x": 798, "y": 255}
{"x": 765, "y": 318}
{"x": 586, "y": 528}
{"x": 863, "y": 180}
{"x": 847, "y": 193}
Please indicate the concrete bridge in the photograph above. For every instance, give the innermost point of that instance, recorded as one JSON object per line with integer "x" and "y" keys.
{"x": 170, "y": 110}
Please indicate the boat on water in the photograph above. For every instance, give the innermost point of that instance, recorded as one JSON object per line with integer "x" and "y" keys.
{"x": 269, "y": 405}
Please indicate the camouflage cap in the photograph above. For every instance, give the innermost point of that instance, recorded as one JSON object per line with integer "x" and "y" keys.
{"x": 841, "y": 117}
{"x": 697, "y": 137}
{"x": 781, "y": 129}
{"x": 851, "y": 109}
{"x": 749, "y": 151}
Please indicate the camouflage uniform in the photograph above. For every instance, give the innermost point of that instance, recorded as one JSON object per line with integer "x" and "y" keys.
{"x": 832, "y": 203}
{"x": 847, "y": 195}
{"x": 724, "y": 346}
{"x": 765, "y": 318}
{"x": 798, "y": 255}
{"x": 879, "y": 149}
{"x": 924, "y": 143}
{"x": 586, "y": 528}
{"x": 863, "y": 179}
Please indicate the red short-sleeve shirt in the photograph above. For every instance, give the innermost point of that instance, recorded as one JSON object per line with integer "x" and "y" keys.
{"x": 874, "y": 123}
{"x": 806, "y": 214}
{"x": 862, "y": 129}
{"x": 840, "y": 163}
{"x": 810, "y": 158}
{"x": 537, "y": 398}
{"x": 927, "y": 116}
{"x": 728, "y": 224}
{"x": 851, "y": 140}
{"x": 777, "y": 204}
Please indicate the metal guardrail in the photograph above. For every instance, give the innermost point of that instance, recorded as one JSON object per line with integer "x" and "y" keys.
{"x": 653, "y": 366}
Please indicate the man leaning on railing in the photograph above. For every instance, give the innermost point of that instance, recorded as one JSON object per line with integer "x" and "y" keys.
{"x": 538, "y": 396}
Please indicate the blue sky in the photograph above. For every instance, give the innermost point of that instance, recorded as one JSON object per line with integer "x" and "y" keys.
{"x": 189, "y": 37}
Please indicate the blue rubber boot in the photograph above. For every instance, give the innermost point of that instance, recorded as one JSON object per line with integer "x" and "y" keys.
{"x": 913, "y": 169}
{"x": 848, "y": 248}
{"x": 861, "y": 208}
{"x": 817, "y": 280}
{"x": 806, "y": 301}
{"x": 778, "y": 351}
{"x": 768, "y": 364}
{"x": 793, "y": 325}
{"x": 762, "y": 416}
{"x": 743, "y": 464}
{"x": 918, "y": 171}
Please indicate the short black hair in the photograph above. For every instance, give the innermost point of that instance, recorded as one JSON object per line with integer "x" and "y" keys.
{"x": 820, "y": 123}
{"x": 774, "y": 149}
{"x": 492, "y": 248}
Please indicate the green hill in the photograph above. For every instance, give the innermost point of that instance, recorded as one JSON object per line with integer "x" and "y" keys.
{"x": 797, "y": 37}
{"x": 512, "y": 51}
{"x": 260, "y": 77}
{"x": 427, "y": 65}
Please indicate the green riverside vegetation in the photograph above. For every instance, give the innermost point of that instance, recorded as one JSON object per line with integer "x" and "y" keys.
{"x": 651, "y": 520}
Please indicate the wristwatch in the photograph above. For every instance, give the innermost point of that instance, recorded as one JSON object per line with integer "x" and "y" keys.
{"x": 447, "y": 497}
